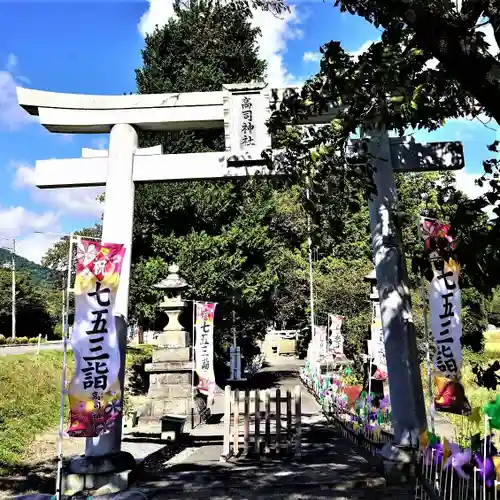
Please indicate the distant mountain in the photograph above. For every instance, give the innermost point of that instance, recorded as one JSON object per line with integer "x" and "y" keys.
{"x": 39, "y": 274}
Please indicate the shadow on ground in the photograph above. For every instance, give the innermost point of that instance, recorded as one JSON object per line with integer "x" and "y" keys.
{"x": 40, "y": 477}
{"x": 328, "y": 468}
{"x": 264, "y": 380}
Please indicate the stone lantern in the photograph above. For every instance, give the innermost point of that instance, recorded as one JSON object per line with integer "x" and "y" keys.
{"x": 171, "y": 372}
{"x": 174, "y": 334}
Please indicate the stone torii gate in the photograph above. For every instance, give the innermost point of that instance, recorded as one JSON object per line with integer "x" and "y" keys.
{"x": 241, "y": 110}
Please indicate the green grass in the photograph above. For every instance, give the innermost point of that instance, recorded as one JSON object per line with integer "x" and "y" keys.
{"x": 492, "y": 341}
{"x": 138, "y": 353}
{"x": 30, "y": 388}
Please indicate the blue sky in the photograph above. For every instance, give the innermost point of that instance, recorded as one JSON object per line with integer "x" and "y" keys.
{"x": 93, "y": 47}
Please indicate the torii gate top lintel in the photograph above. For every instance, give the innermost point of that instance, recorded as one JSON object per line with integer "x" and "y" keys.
{"x": 83, "y": 113}
{"x": 96, "y": 114}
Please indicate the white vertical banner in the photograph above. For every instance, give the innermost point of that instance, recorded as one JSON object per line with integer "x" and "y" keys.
{"x": 94, "y": 393}
{"x": 204, "y": 349}
{"x": 445, "y": 307}
{"x": 335, "y": 337}
{"x": 321, "y": 339}
{"x": 376, "y": 349}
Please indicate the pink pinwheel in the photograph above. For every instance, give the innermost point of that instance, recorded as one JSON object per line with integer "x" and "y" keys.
{"x": 433, "y": 231}
{"x": 458, "y": 459}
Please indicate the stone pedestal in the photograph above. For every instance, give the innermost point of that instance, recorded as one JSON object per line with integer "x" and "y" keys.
{"x": 170, "y": 382}
{"x": 103, "y": 475}
{"x": 399, "y": 463}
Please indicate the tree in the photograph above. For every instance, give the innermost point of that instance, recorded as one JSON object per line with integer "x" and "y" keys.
{"x": 219, "y": 233}
{"x": 32, "y": 314}
{"x": 438, "y": 29}
{"x": 392, "y": 86}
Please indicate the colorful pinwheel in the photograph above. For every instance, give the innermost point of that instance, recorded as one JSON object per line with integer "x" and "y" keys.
{"x": 492, "y": 409}
{"x": 384, "y": 403}
{"x": 458, "y": 459}
{"x": 486, "y": 469}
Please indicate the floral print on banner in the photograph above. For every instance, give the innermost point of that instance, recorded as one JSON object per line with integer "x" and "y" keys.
{"x": 95, "y": 396}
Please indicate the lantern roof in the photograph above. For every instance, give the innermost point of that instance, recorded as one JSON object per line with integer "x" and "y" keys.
{"x": 173, "y": 281}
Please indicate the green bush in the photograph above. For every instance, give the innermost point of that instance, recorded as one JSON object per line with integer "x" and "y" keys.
{"x": 10, "y": 340}
{"x": 21, "y": 340}
{"x": 57, "y": 332}
{"x": 2, "y": 339}
{"x": 33, "y": 340}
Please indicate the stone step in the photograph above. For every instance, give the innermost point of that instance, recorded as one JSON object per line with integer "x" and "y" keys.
{"x": 266, "y": 475}
{"x": 302, "y": 492}
{"x": 276, "y": 487}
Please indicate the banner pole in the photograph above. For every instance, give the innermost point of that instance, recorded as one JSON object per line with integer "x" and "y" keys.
{"x": 370, "y": 366}
{"x": 427, "y": 338}
{"x": 193, "y": 367}
{"x": 64, "y": 369}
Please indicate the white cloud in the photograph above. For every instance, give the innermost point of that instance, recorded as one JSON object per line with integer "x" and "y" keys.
{"x": 12, "y": 116}
{"x": 24, "y": 176}
{"x": 158, "y": 13}
{"x": 34, "y": 246}
{"x": 16, "y": 222}
{"x": 22, "y": 224}
{"x": 364, "y": 47}
{"x": 75, "y": 201}
{"x": 311, "y": 56}
{"x": 466, "y": 182}
{"x": 272, "y": 44}
{"x": 276, "y": 31}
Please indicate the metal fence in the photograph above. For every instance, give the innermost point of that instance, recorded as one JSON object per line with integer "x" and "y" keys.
{"x": 435, "y": 479}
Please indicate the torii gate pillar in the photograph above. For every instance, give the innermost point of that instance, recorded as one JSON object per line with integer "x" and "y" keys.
{"x": 118, "y": 227}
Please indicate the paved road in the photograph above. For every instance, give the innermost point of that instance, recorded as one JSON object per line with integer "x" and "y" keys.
{"x": 26, "y": 349}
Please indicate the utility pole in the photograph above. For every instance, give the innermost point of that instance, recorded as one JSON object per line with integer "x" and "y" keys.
{"x": 311, "y": 286}
{"x": 13, "y": 267}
